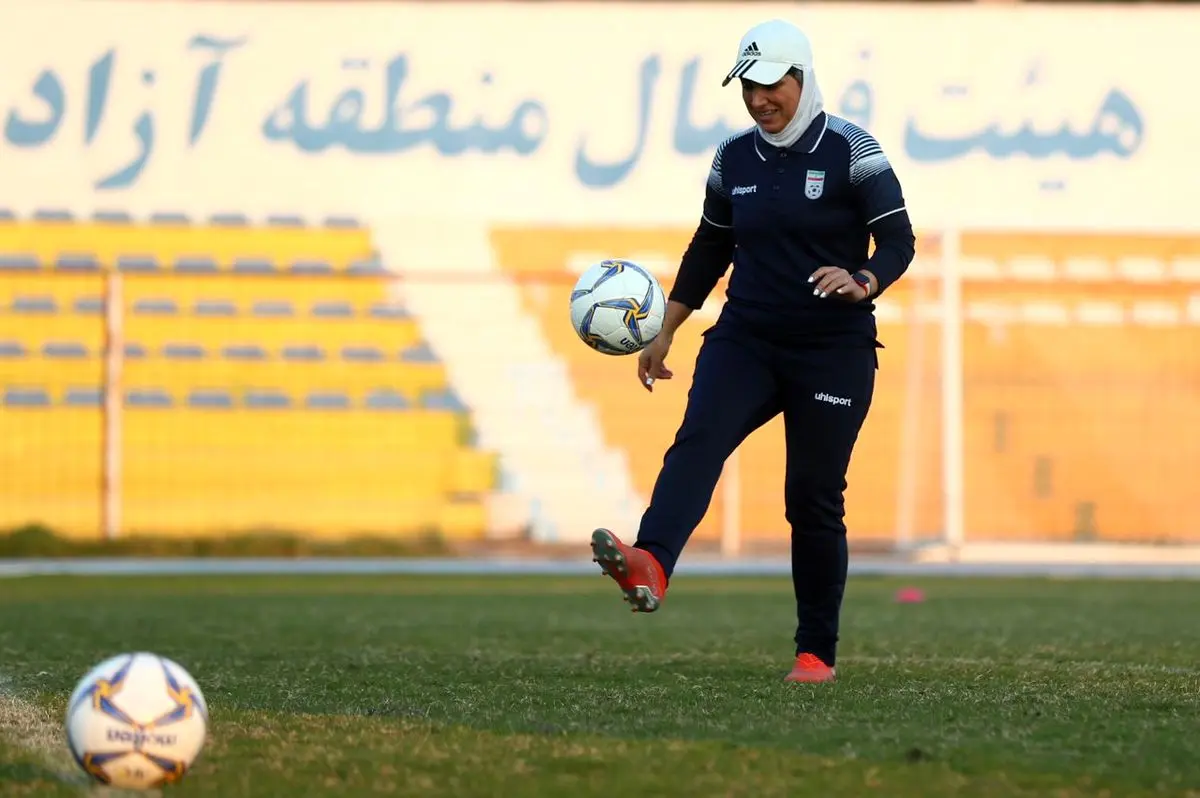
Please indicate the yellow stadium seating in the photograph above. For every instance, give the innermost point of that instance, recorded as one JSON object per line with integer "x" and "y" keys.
{"x": 1003, "y": 245}
{"x": 292, "y": 377}
{"x": 333, "y": 468}
{"x": 244, "y": 290}
{"x": 51, "y": 462}
{"x": 63, "y": 288}
{"x": 168, "y": 243}
{"x": 50, "y": 373}
{"x": 24, "y": 299}
{"x": 340, "y": 471}
{"x": 1097, "y": 417}
{"x": 1075, "y": 429}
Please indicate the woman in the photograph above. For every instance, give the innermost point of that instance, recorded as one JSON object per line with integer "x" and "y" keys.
{"x": 800, "y": 194}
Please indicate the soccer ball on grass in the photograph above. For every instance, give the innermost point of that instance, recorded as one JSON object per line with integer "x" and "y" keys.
{"x": 136, "y": 721}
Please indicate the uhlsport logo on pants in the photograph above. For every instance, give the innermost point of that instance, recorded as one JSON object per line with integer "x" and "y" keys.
{"x": 833, "y": 400}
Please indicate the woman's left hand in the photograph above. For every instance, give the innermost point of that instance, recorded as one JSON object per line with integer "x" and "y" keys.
{"x": 830, "y": 281}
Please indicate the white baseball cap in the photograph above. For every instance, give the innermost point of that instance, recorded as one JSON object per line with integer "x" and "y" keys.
{"x": 768, "y": 51}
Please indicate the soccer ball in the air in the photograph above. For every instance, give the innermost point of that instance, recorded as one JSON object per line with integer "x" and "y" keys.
{"x": 136, "y": 721}
{"x": 617, "y": 307}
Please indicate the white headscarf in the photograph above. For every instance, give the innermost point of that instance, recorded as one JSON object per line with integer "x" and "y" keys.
{"x": 810, "y": 106}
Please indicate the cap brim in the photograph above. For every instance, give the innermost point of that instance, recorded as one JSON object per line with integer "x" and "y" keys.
{"x": 757, "y": 70}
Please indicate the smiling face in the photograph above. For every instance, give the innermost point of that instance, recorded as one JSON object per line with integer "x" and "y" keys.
{"x": 772, "y": 107}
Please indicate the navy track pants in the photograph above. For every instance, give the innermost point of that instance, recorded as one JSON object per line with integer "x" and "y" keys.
{"x": 740, "y": 383}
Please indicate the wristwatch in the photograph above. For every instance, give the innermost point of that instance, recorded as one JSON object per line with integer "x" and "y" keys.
{"x": 863, "y": 280}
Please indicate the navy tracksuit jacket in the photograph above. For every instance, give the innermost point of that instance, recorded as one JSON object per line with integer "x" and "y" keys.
{"x": 779, "y": 214}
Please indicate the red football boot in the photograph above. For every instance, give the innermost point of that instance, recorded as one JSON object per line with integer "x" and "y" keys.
{"x": 637, "y": 572}
{"x": 810, "y": 668}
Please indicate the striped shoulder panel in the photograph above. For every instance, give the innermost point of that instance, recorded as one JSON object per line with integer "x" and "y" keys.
{"x": 715, "y": 174}
{"x": 867, "y": 158}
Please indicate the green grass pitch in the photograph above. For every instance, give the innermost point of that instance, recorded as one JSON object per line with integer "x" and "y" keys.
{"x": 539, "y": 686}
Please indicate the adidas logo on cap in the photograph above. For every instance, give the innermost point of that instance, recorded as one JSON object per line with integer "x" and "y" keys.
{"x": 751, "y": 50}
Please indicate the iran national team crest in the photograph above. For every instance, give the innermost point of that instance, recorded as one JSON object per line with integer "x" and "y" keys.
{"x": 814, "y": 184}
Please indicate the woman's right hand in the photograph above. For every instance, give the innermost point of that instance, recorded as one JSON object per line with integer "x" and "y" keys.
{"x": 652, "y": 361}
